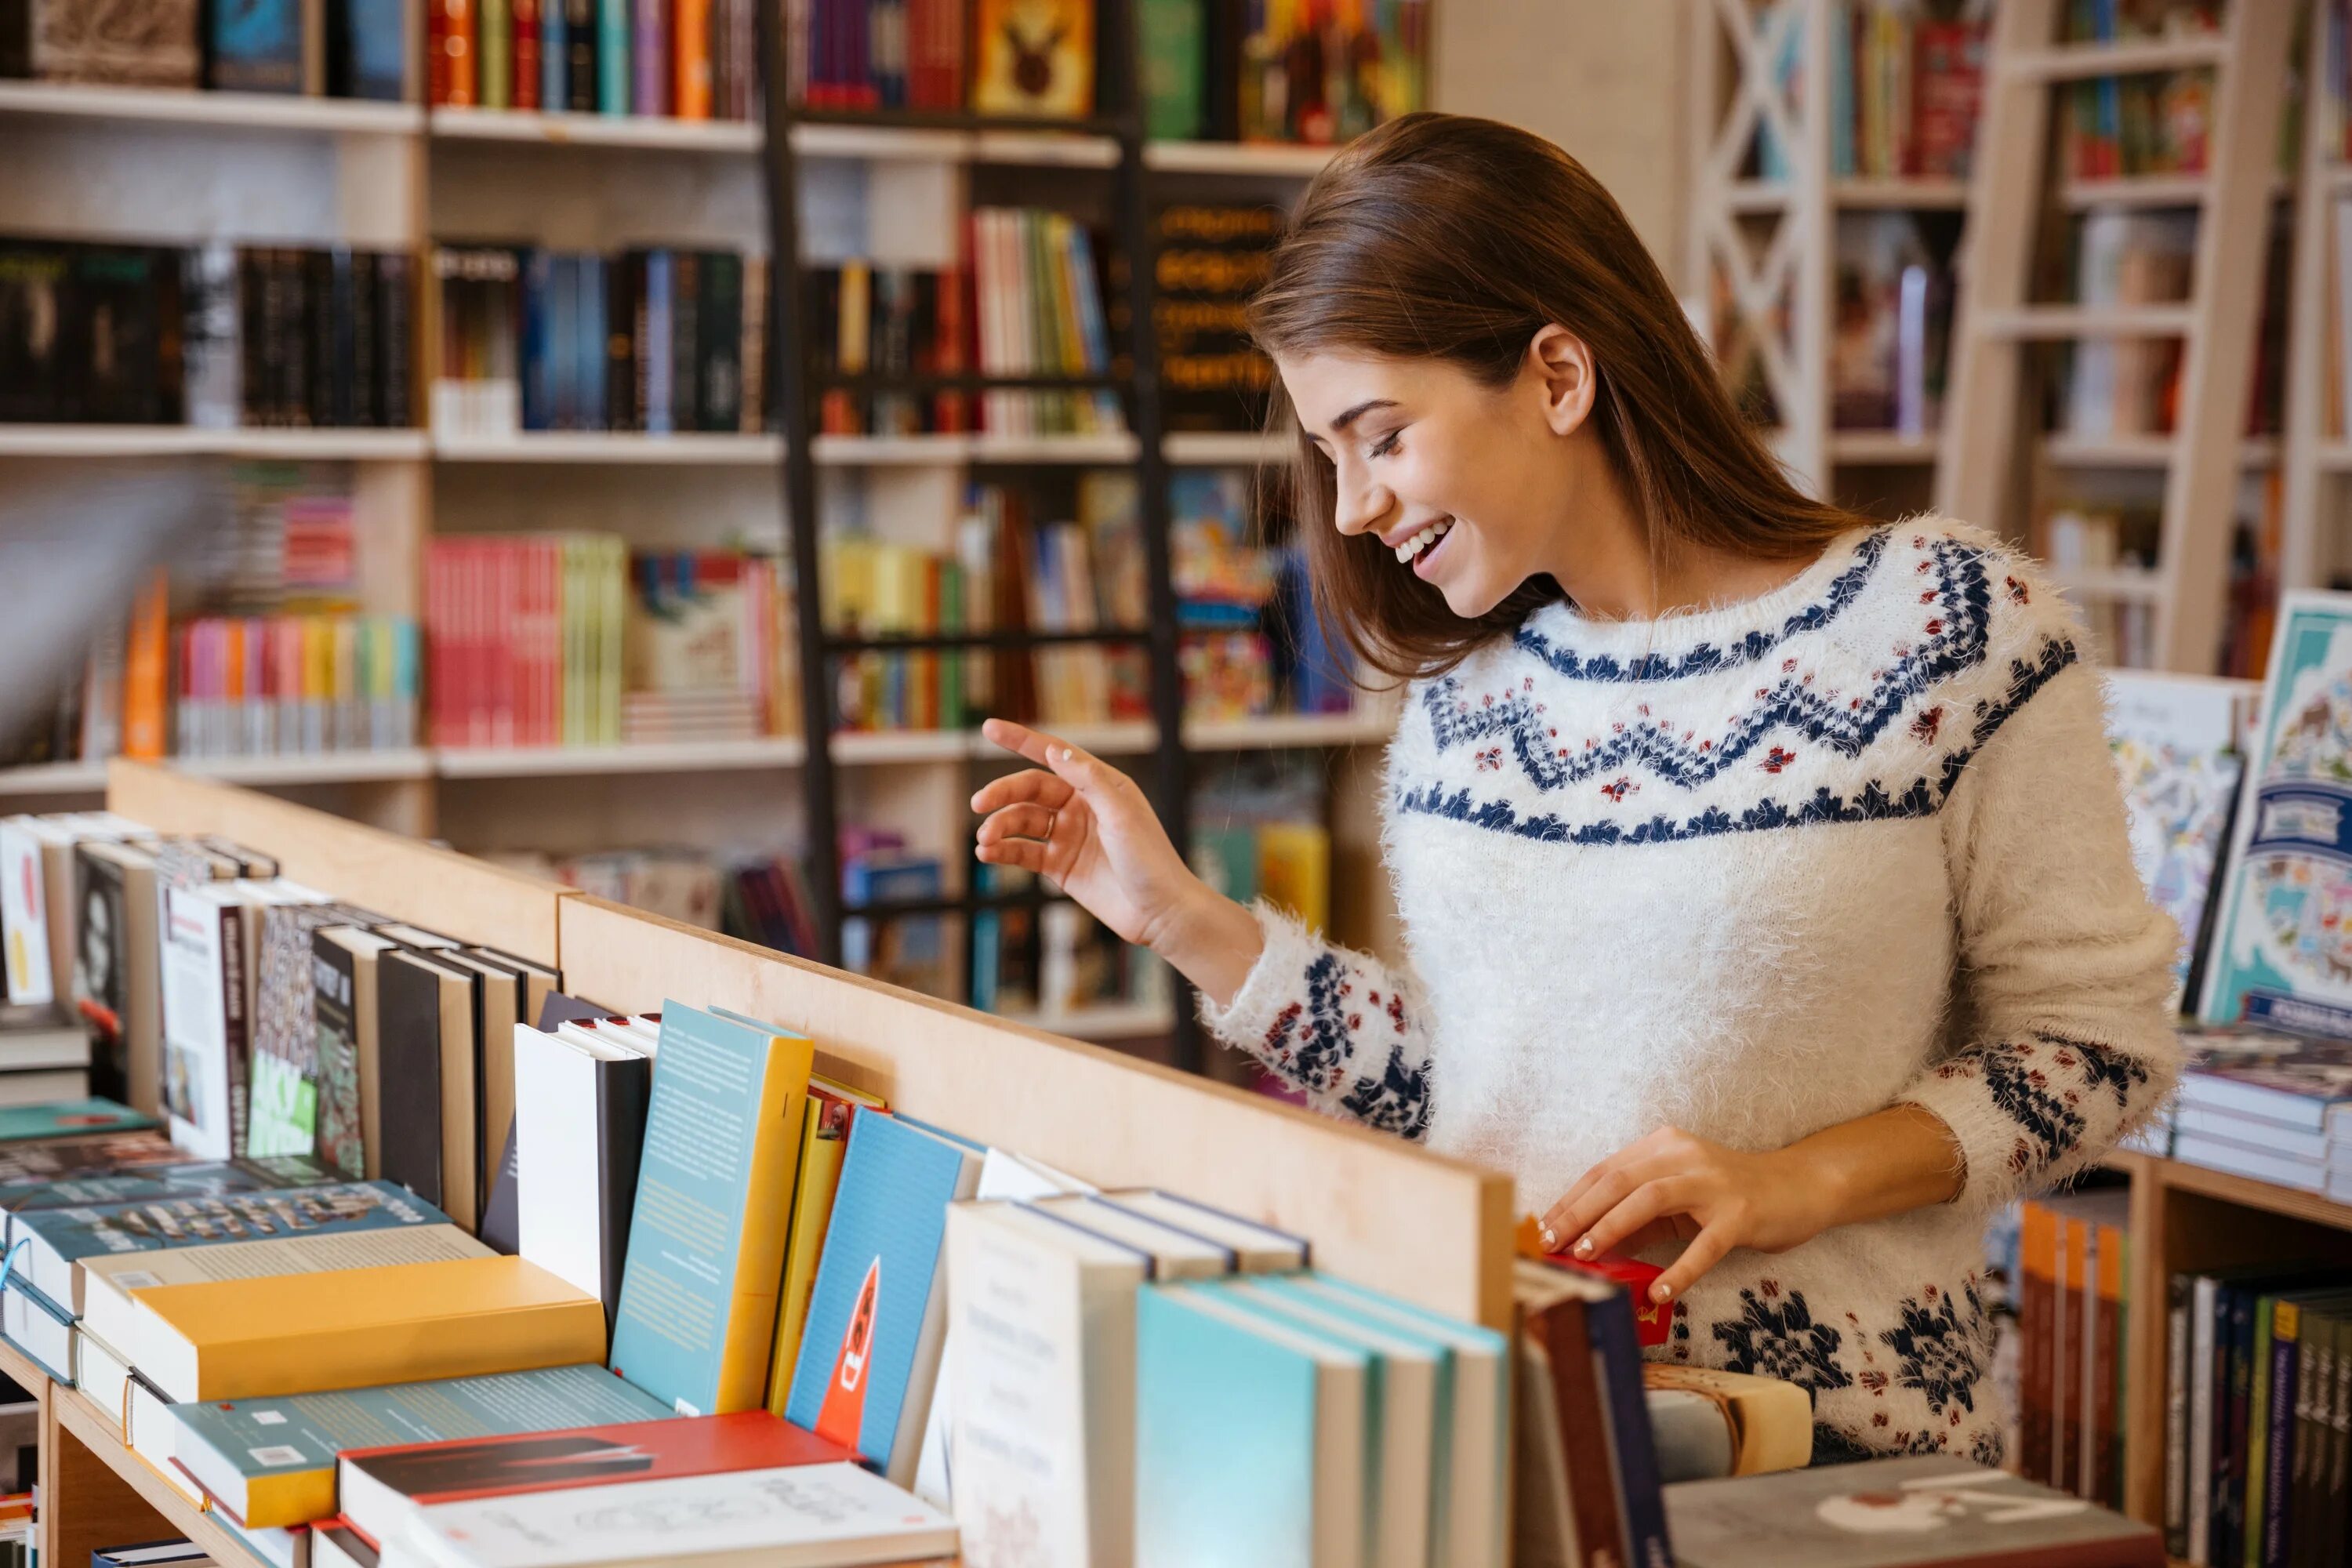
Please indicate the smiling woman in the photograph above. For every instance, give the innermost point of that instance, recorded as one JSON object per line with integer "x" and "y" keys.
{"x": 1768, "y": 900}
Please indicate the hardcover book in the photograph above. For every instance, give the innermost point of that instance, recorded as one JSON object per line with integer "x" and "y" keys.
{"x": 40, "y": 1328}
{"x": 581, "y": 1103}
{"x": 26, "y": 1168}
{"x": 807, "y": 1513}
{"x": 1921, "y": 1513}
{"x": 2282, "y": 956}
{"x": 24, "y": 910}
{"x": 431, "y": 1112}
{"x": 115, "y": 981}
{"x": 344, "y": 967}
{"x": 869, "y": 1353}
{"x": 69, "y": 1119}
{"x": 276, "y": 1454}
{"x": 2176, "y": 741}
{"x": 824, "y": 1142}
{"x": 706, "y": 1253}
{"x": 1035, "y": 58}
{"x": 158, "y": 1183}
{"x": 143, "y": 43}
{"x": 259, "y": 46}
{"x": 283, "y": 1094}
{"x": 381, "y": 1489}
{"x": 206, "y": 1024}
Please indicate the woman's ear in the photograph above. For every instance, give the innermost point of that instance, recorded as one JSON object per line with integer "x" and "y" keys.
{"x": 1561, "y": 363}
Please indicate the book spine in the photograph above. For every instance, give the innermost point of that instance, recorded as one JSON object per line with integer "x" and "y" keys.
{"x": 554, "y": 74}
{"x": 524, "y": 85}
{"x": 2256, "y": 1470}
{"x": 495, "y": 57}
{"x": 1616, "y": 1346}
{"x": 2234, "y": 1398}
{"x": 2272, "y": 1539}
{"x": 615, "y": 73}
{"x": 2176, "y": 1417}
{"x": 691, "y": 66}
{"x": 649, "y": 52}
{"x": 580, "y": 29}
{"x": 621, "y": 1096}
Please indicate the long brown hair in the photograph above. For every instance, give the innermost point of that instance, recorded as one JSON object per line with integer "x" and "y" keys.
{"x": 1451, "y": 238}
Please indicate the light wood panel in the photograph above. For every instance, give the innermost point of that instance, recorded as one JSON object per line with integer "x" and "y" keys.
{"x": 1428, "y": 1229}
{"x": 380, "y": 871}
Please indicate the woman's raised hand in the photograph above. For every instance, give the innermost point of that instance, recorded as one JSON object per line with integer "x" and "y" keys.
{"x": 1087, "y": 826}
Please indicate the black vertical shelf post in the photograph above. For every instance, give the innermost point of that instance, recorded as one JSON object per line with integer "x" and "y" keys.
{"x": 788, "y": 363}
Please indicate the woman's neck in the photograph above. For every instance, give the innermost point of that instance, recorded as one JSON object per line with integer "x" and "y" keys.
{"x": 1608, "y": 568}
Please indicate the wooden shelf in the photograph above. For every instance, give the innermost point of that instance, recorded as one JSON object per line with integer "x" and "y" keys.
{"x": 1224, "y": 448}
{"x": 2087, "y": 62}
{"x": 875, "y": 748}
{"x": 1105, "y": 1021}
{"x": 54, "y": 778}
{"x": 227, "y": 111}
{"x": 1758, "y": 195}
{"x": 322, "y": 767}
{"x": 1300, "y": 730}
{"x": 2122, "y": 585}
{"x": 2136, "y": 191}
{"x": 81, "y": 1420}
{"x": 615, "y": 448}
{"x": 2247, "y": 1193}
{"x": 1273, "y": 160}
{"x": 921, "y": 144}
{"x": 1883, "y": 448}
{"x": 2142, "y": 451}
{"x": 2051, "y": 322}
{"x": 680, "y": 756}
{"x": 1915, "y": 193}
{"x": 187, "y": 441}
{"x": 650, "y": 132}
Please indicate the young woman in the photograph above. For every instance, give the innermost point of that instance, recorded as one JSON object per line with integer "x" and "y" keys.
{"x": 1763, "y": 871}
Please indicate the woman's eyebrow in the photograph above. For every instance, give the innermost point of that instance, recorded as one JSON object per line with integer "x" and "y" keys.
{"x": 1350, "y": 416}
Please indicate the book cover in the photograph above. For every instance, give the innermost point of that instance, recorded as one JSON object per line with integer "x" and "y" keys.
{"x": 582, "y": 1111}
{"x": 256, "y": 46}
{"x": 345, "y": 1006}
{"x": 354, "y": 1327}
{"x": 282, "y": 1115}
{"x": 26, "y": 1168}
{"x": 206, "y": 1027}
{"x": 1899, "y": 1513}
{"x": 159, "y": 1183}
{"x": 2280, "y": 955}
{"x": 425, "y": 1024}
{"x": 824, "y": 1142}
{"x": 830, "y": 1513}
{"x": 115, "y": 978}
{"x": 706, "y": 1249}
{"x": 1034, "y": 57}
{"x": 69, "y": 1119}
{"x": 277, "y": 1453}
{"x": 2176, "y": 742}
{"x": 869, "y": 1352}
{"x": 23, "y": 912}
{"x": 380, "y": 1489}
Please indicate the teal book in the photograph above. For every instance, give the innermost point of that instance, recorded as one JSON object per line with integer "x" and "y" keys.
{"x": 275, "y": 1456}
{"x": 705, "y": 1258}
{"x": 870, "y": 1354}
{"x": 207, "y": 1179}
{"x": 1267, "y": 1420}
{"x": 612, "y": 57}
{"x": 69, "y": 1119}
{"x": 55, "y": 1241}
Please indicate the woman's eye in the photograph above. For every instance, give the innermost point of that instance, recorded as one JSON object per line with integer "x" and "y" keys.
{"x": 1386, "y": 444}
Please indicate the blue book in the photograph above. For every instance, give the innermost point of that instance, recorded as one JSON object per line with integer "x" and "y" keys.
{"x": 562, "y": 343}
{"x": 613, "y": 65}
{"x": 204, "y": 1180}
{"x": 538, "y": 266}
{"x": 370, "y": 49}
{"x": 256, "y": 46}
{"x": 1265, "y": 1419}
{"x": 69, "y": 1119}
{"x": 706, "y": 1256}
{"x": 554, "y": 57}
{"x": 1616, "y": 1342}
{"x": 590, "y": 304}
{"x": 870, "y": 1350}
{"x": 654, "y": 355}
{"x": 55, "y": 1241}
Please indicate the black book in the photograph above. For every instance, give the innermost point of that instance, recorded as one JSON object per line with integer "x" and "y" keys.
{"x": 580, "y": 46}
{"x": 425, "y": 1024}
{"x": 254, "y": 393}
{"x": 327, "y": 281}
{"x": 295, "y": 327}
{"x": 685, "y": 341}
{"x": 121, "y": 335}
{"x": 624, "y": 323}
{"x": 719, "y": 320}
{"x": 116, "y": 981}
{"x": 367, "y": 383}
{"x": 396, "y": 340}
{"x": 1221, "y": 102}
{"x": 501, "y": 1229}
{"x": 33, "y": 289}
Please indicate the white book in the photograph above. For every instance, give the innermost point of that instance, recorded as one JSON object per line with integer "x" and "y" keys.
{"x": 101, "y": 1373}
{"x": 2200, "y": 1421}
{"x": 208, "y": 1028}
{"x": 575, "y": 1092}
{"x": 44, "y": 1086}
{"x": 1256, "y": 1249}
{"x": 45, "y": 1335}
{"x": 2239, "y": 1160}
{"x": 1400, "y": 1432}
{"x": 1175, "y": 1254}
{"x": 24, "y": 908}
{"x": 807, "y": 1516}
{"x": 1048, "y": 1309}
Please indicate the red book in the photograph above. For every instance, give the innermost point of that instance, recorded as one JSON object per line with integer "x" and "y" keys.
{"x": 525, "y": 91}
{"x": 381, "y": 1489}
{"x": 1650, "y": 1321}
{"x": 1947, "y": 84}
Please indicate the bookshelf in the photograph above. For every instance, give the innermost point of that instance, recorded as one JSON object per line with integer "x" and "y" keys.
{"x": 1765, "y": 248}
{"x": 1998, "y": 460}
{"x": 1433, "y": 1230}
{"x": 408, "y": 175}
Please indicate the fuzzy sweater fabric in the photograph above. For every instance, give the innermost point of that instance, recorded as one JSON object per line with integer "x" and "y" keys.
{"x": 1752, "y": 872}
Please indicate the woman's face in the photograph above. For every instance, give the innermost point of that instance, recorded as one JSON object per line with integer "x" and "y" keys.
{"x": 1461, "y": 481}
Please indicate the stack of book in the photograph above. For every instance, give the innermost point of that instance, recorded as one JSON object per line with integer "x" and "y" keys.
{"x": 346, "y": 49}
{"x": 890, "y": 323}
{"x": 697, "y": 60}
{"x": 661, "y": 339}
{"x": 1038, "y": 310}
{"x": 2278, "y": 1109}
{"x": 708, "y": 648}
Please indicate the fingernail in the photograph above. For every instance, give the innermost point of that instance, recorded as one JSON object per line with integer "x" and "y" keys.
{"x": 1660, "y": 1291}
{"x": 1061, "y": 754}
{"x": 1584, "y": 1247}
{"x": 1551, "y": 1242}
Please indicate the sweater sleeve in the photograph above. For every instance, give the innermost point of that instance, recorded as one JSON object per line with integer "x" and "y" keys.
{"x": 2067, "y": 1040}
{"x": 1333, "y": 1023}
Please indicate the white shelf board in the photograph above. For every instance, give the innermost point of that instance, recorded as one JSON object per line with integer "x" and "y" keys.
{"x": 1364, "y": 727}
{"x": 319, "y": 767}
{"x": 854, "y": 748}
{"x": 1224, "y": 448}
{"x": 1118, "y": 447}
{"x": 901, "y": 143}
{"x": 1045, "y": 149}
{"x": 1102, "y": 1021}
{"x": 653, "y": 132}
{"x": 2334, "y": 457}
{"x": 2143, "y": 451}
{"x": 2133, "y": 585}
{"x": 1275, "y": 159}
{"x": 950, "y": 450}
{"x": 232, "y": 110}
{"x": 615, "y": 446}
{"x": 1883, "y": 448}
{"x": 54, "y": 778}
{"x": 2087, "y": 62}
{"x": 1900, "y": 193}
{"x": 1758, "y": 195}
{"x": 679, "y": 756}
{"x": 187, "y": 440}
{"x": 2057, "y": 321}
{"x": 2136, "y": 191}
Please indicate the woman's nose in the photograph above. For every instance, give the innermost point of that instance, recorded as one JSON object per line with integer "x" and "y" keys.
{"x": 1361, "y": 504}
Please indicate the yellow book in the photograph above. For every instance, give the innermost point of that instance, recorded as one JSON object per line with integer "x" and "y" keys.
{"x": 1294, "y": 870}
{"x": 698, "y": 1308}
{"x": 825, "y": 1139}
{"x": 354, "y": 1328}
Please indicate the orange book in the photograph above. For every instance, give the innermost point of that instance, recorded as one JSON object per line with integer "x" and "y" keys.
{"x": 690, "y": 57}
{"x": 457, "y": 51}
{"x": 146, "y": 656}
{"x": 2074, "y": 1347}
{"x": 2036, "y": 1301}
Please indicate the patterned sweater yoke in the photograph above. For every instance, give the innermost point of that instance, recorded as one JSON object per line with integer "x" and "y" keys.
{"x": 1753, "y": 872}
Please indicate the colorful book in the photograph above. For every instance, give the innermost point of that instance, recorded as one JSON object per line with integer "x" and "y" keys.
{"x": 277, "y": 1455}
{"x": 2176, "y": 740}
{"x": 824, "y": 1143}
{"x": 26, "y": 1168}
{"x": 383, "y": 1490}
{"x": 57, "y": 1240}
{"x": 2279, "y": 955}
{"x": 869, "y": 1355}
{"x": 69, "y": 1119}
{"x": 1034, "y": 57}
{"x": 352, "y": 1327}
{"x": 150, "y": 1183}
{"x": 698, "y": 1305}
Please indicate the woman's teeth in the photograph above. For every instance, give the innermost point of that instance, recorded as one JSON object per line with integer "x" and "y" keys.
{"x": 1424, "y": 539}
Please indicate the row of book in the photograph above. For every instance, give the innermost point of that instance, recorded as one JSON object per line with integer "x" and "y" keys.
{"x": 2073, "y": 1284}
{"x": 697, "y": 59}
{"x": 1037, "y": 310}
{"x": 294, "y": 685}
{"x": 343, "y": 48}
{"x": 659, "y": 340}
{"x": 569, "y": 641}
{"x": 216, "y": 336}
{"x": 1890, "y": 347}
{"x": 894, "y": 324}
{"x": 2127, "y": 387}
{"x": 1317, "y": 72}
{"x": 1907, "y": 84}
{"x": 2150, "y": 124}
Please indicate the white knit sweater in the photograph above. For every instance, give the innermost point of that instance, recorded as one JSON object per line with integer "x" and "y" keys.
{"x": 1753, "y": 872}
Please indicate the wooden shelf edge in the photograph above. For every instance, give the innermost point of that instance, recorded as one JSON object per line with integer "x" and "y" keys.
{"x": 2180, "y": 1176}
{"x": 81, "y": 1419}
